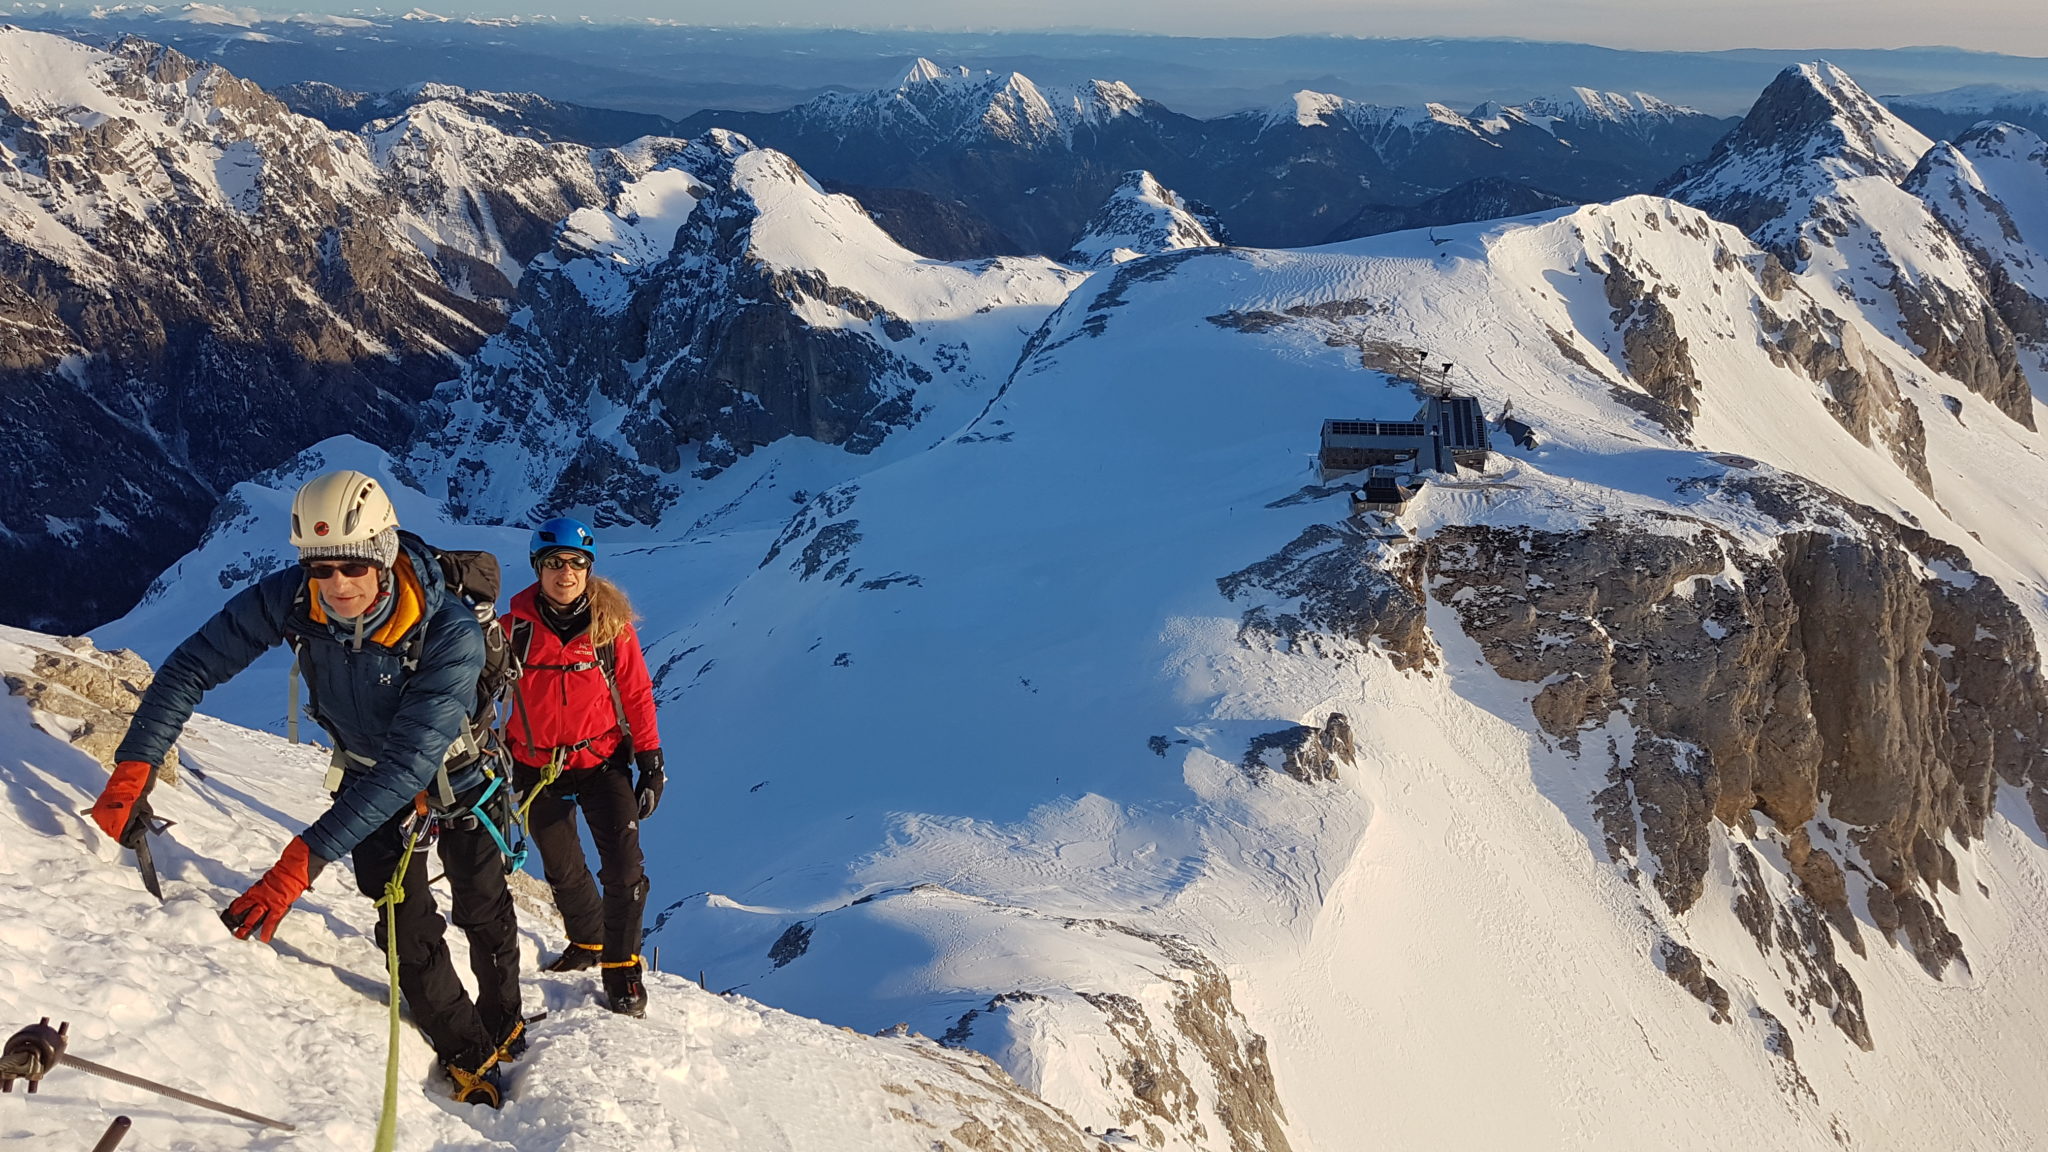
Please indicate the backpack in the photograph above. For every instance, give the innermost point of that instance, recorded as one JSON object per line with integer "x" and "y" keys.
{"x": 474, "y": 577}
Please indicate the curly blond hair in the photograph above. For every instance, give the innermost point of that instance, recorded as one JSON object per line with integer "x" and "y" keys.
{"x": 610, "y": 611}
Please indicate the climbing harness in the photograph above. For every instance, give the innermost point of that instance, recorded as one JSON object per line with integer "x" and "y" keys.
{"x": 36, "y": 1050}
{"x": 515, "y": 859}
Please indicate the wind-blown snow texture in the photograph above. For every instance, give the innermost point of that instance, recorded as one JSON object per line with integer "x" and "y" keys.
{"x": 297, "y": 1031}
{"x": 1081, "y": 724}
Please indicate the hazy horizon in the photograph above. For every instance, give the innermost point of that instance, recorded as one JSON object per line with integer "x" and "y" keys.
{"x": 2003, "y": 27}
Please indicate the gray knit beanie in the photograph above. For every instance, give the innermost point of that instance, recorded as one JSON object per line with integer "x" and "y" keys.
{"x": 381, "y": 550}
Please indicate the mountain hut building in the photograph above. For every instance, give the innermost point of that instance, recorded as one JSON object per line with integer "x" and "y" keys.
{"x": 1449, "y": 433}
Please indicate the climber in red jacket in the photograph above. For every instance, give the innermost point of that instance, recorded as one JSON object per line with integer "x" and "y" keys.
{"x": 582, "y": 718}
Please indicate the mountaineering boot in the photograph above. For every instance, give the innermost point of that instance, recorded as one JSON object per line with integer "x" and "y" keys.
{"x": 511, "y": 1042}
{"x": 625, "y": 992}
{"x": 483, "y": 1086}
{"x": 575, "y": 958}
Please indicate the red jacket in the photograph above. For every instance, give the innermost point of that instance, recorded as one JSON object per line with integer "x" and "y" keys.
{"x": 554, "y": 708}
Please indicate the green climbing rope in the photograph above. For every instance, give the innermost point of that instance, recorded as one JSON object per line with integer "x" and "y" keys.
{"x": 548, "y": 775}
{"x": 394, "y": 895}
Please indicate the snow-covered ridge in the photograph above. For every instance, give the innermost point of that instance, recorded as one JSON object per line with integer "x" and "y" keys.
{"x": 147, "y": 988}
{"x": 1976, "y": 99}
{"x": 960, "y": 105}
{"x": 1581, "y": 107}
{"x": 1142, "y": 218}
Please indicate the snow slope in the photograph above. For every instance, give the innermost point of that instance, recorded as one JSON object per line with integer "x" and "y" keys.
{"x": 964, "y": 743}
{"x": 296, "y": 1031}
{"x": 979, "y": 733}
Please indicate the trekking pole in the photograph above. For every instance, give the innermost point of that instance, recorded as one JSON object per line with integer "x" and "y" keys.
{"x": 111, "y": 1139}
{"x": 34, "y": 1051}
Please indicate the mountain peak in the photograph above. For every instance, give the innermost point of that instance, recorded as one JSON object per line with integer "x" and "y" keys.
{"x": 1812, "y": 129}
{"x": 1815, "y": 111}
{"x": 1143, "y": 217}
{"x": 923, "y": 71}
{"x": 1314, "y": 109}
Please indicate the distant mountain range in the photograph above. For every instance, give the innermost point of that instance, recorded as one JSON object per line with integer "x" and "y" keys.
{"x": 665, "y": 69}
{"x": 169, "y": 227}
{"x": 1013, "y": 166}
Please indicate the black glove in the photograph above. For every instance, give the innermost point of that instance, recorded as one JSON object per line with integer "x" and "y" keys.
{"x": 648, "y": 791}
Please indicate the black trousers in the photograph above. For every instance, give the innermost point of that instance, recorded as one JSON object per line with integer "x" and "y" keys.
{"x": 463, "y": 1031}
{"x": 605, "y": 794}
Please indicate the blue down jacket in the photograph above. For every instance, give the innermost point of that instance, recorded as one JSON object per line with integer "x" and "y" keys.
{"x": 368, "y": 700}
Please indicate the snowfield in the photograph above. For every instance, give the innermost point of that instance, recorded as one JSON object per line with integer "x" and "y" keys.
{"x": 296, "y": 1031}
{"x": 1008, "y": 741}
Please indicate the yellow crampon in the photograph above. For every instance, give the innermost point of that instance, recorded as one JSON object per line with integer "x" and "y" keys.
{"x": 504, "y": 1053}
{"x": 472, "y": 1088}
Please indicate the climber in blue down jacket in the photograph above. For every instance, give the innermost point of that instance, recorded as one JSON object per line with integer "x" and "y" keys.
{"x": 391, "y": 659}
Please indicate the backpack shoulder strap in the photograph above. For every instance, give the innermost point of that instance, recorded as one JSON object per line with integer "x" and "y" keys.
{"x": 608, "y": 663}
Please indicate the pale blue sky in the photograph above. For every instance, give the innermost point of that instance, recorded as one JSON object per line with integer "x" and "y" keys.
{"x": 2011, "y": 26}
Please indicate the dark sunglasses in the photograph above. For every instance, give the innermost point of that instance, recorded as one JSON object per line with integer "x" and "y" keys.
{"x": 353, "y": 569}
{"x": 561, "y": 560}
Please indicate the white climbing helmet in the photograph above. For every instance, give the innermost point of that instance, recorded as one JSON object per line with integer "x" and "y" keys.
{"x": 340, "y": 509}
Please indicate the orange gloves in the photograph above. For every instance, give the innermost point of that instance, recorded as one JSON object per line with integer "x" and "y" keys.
{"x": 116, "y": 808}
{"x": 265, "y": 903}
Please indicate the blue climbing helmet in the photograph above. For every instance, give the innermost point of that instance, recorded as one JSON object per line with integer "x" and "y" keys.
{"x": 559, "y": 533}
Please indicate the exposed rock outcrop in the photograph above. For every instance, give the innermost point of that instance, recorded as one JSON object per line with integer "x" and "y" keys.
{"x": 1858, "y": 684}
{"x": 1863, "y": 661}
{"x": 1337, "y": 581}
{"x": 1307, "y": 753}
{"x": 1180, "y": 1057}
{"x": 1659, "y": 359}
{"x": 704, "y": 314}
{"x": 1859, "y": 389}
{"x": 91, "y": 695}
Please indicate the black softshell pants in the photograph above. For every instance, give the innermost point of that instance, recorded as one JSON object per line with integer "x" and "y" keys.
{"x": 464, "y": 1032}
{"x": 605, "y": 794}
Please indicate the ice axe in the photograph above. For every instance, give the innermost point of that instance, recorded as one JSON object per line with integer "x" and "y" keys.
{"x": 136, "y": 839}
{"x": 33, "y": 1052}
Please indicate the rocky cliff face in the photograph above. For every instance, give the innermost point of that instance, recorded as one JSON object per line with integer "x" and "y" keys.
{"x": 218, "y": 283}
{"x": 1858, "y": 686}
{"x": 723, "y": 302}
